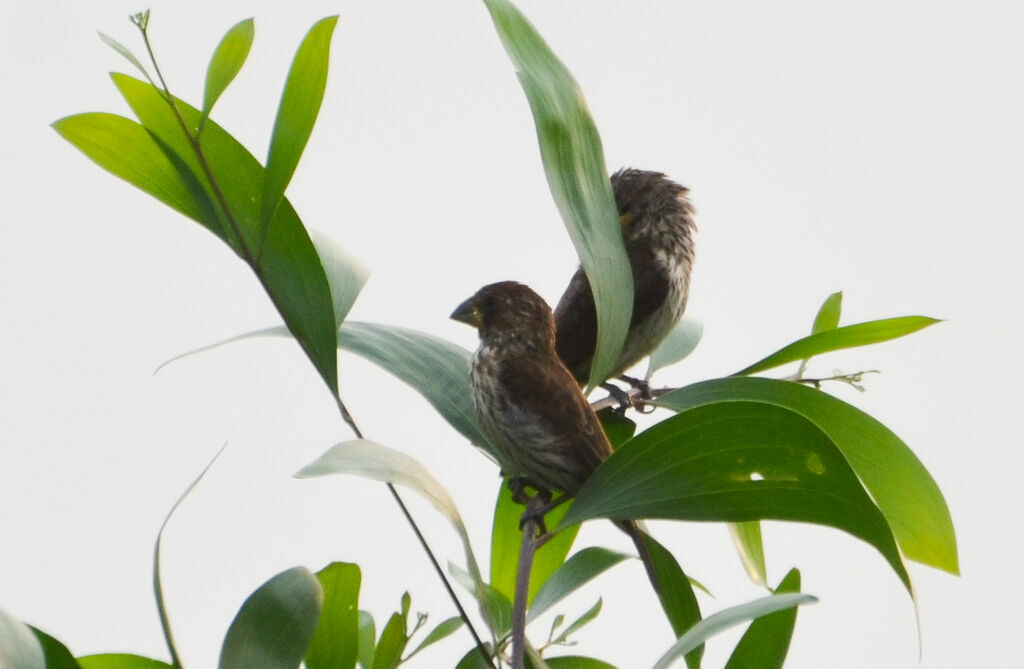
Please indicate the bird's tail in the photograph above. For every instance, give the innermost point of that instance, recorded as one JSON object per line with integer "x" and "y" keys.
{"x": 639, "y": 540}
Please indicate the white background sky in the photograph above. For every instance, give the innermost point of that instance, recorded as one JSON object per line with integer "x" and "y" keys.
{"x": 873, "y": 147}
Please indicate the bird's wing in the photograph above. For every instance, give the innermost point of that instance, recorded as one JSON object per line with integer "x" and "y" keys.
{"x": 576, "y": 325}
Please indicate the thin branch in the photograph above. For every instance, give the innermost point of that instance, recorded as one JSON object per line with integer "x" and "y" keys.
{"x": 531, "y": 522}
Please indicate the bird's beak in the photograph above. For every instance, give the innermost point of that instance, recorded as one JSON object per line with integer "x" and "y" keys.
{"x": 468, "y": 313}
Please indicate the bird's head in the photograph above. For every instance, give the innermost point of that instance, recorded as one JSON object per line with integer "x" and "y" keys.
{"x": 647, "y": 200}
{"x": 509, "y": 314}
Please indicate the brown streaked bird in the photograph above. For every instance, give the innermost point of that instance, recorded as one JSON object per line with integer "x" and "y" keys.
{"x": 657, "y": 230}
{"x": 529, "y": 405}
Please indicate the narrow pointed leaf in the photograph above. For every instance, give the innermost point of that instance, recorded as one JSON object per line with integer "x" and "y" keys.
{"x": 581, "y": 568}
{"x": 579, "y": 623}
{"x": 828, "y": 313}
{"x": 335, "y": 643}
{"x": 56, "y": 653}
{"x": 849, "y": 336}
{"x": 123, "y": 50}
{"x": 907, "y": 495}
{"x": 379, "y": 463}
{"x": 300, "y": 104}
{"x": 346, "y": 276}
{"x": 120, "y": 661}
{"x": 19, "y": 647}
{"x": 225, "y": 63}
{"x": 290, "y": 269}
{"x": 506, "y": 538}
{"x": 733, "y": 462}
{"x": 746, "y": 537}
{"x": 276, "y": 623}
{"x": 676, "y": 595}
{"x": 443, "y": 630}
{"x": 765, "y": 643}
{"x": 679, "y": 343}
{"x": 730, "y": 617}
{"x": 125, "y": 149}
{"x": 391, "y": 644}
{"x": 437, "y": 369}
{"x": 574, "y": 164}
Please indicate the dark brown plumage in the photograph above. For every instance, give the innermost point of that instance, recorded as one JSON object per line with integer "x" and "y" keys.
{"x": 657, "y": 229}
{"x": 529, "y": 405}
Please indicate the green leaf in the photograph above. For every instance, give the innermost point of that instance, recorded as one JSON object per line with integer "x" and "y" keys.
{"x": 723, "y": 620}
{"x": 675, "y": 594}
{"x": 616, "y": 426}
{"x": 158, "y": 588}
{"x": 577, "y": 662}
{"x": 765, "y": 643}
{"x": 506, "y": 538}
{"x": 828, "y": 313}
{"x": 290, "y": 269}
{"x": 391, "y": 644}
{"x": 55, "y": 653}
{"x": 577, "y": 570}
{"x": 437, "y": 369}
{"x": 746, "y": 537}
{"x": 336, "y": 640}
{"x": 574, "y": 164}
{"x": 902, "y": 488}
{"x": 346, "y": 276}
{"x": 123, "y": 50}
{"x": 496, "y": 607}
{"x": 276, "y": 623}
{"x": 474, "y": 660}
{"x": 125, "y": 149}
{"x": 120, "y": 661}
{"x": 579, "y": 623}
{"x": 733, "y": 462}
{"x": 379, "y": 463}
{"x": 225, "y": 63}
{"x": 443, "y": 630}
{"x": 367, "y": 635}
{"x": 300, "y": 104}
{"x": 679, "y": 343}
{"x": 849, "y": 336}
{"x": 20, "y": 648}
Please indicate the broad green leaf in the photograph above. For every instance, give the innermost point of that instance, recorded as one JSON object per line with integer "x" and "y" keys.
{"x": 679, "y": 343}
{"x": 367, "y": 636}
{"x": 346, "y": 276}
{"x": 580, "y": 568}
{"x": 379, "y": 463}
{"x": 577, "y": 662}
{"x": 443, "y": 630}
{"x": 746, "y": 537}
{"x": 733, "y": 462}
{"x": 300, "y": 104}
{"x": 225, "y": 63}
{"x": 55, "y": 653}
{"x": 506, "y": 538}
{"x": 675, "y": 592}
{"x": 437, "y": 369}
{"x": 391, "y": 644}
{"x": 765, "y": 643}
{"x": 276, "y": 623}
{"x": 125, "y": 149}
{"x": 120, "y": 661}
{"x": 496, "y": 607}
{"x": 335, "y": 643}
{"x": 290, "y": 269}
{"x": 474, "y": 660}
{"x": 730, "y": 617}
{"x": 828, "y": 313}
{"x": 574, "y": 164}
{"x": 19, "y": 646}
{"x": 616, "y": 426}
{"x": 899, "y": 484}
{"x": 158, "y": 588}
{"x": 849, "y": 336}
{"x": 579, "y": 623}
{"x": 123, "y": 50}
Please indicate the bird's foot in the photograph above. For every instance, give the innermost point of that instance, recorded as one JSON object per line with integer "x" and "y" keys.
{"x": 642, "y": 403}
{"x": 620, "y": 396}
